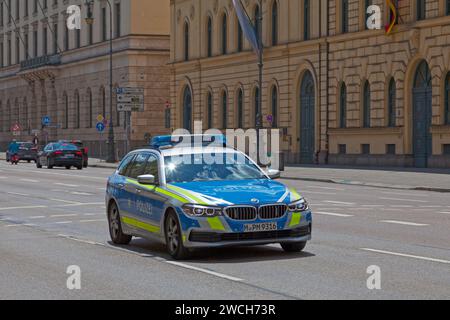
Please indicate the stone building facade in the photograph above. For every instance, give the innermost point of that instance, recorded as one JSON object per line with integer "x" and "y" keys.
{"x": 340, "y": 93}
{"x": 48, "y": 70}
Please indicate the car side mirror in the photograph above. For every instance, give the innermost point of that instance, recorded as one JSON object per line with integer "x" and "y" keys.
{"x": 147, "y": 179}
{"x": 273, "y": 174}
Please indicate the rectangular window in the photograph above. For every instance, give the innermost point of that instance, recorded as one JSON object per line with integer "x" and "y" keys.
{"x": 103, "y": 24}
{"x": 390, "y": 149}
{"x": 27, "y": 52}
{"x": 448, "y": 7}
{"x": 1, "y": 55}
{"x": 44, "y": 41}
{"x": 342, "y": 149}
{"x": 17, "y": 9}
{"x": 90, "y": 34}
{"x": 9, "y": 52}
{"x": 365, "y": 149}
{"x": 66, "y": 37}
{"x": 78, "y": 37}
{"x": 9, "y": 11}
{"x": 446, "y": 149}
{"x": 35, "y": 6}
{"x": 25, "y": 13}
{"x": 35, "y": 43}
{"x": 17, "y": 50}
{"x": 55, "y": 38}
{"x": 421, "y": 9}
{"x": 1, "y": 14}
{"x": 118, "y": 20}
{"x": 344, "y": 16}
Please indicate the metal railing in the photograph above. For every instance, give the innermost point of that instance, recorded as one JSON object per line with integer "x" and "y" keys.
{"x": 47, "y": 60}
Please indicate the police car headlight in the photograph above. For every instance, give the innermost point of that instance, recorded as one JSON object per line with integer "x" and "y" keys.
{"x": 201, "y": 211}
{"x": 298, "y": 206}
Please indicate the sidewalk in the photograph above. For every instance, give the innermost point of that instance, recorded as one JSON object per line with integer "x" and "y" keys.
{"x": 394, "y": 178}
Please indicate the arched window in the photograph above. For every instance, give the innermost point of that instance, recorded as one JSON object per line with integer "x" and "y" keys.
{"x": 344, "y": 16}
{"x": 306, "y": 20}
{"x": 366, "y": 105}
{"x": 447, "y": 99}
{"x": 392, "y": 97}
{"x": 187, "y": 109}
{"x": 421, "y": 9}
{"x": 240, "y": 109}
{"x": 274, "y": 23}
{"x": 448, "y": 8}
{"x": 209, "y": 37}
{"x": 343, "y": 106}
{"x": 209, "y": 111}
{"x": 224, "y": 109}
{"x": 257, "y": 106}
{"x": 90, "y": 111}
{"x": 274, "y": 105}
{"x": 186, "y": 41}
{"x": 224, "y": 33}
{"x": 240, "y": 38}
{"x": 77, "y": 110}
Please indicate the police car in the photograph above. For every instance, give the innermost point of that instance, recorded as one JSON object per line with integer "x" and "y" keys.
{"x": 198, "y": 197}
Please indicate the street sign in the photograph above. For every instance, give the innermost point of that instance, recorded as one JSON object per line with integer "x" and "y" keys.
{"x": 100, "y": 127}
{"x": 130, "y": 107}
{"x": 100, "y": 118}
{"x": 130, "y": 91}
{"x": 130, "y": 99}
{"x": 15, "y": 128}
{"x": 45, "y": 120}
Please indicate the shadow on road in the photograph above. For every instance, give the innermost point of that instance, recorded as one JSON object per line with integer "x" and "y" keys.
{"x": 217, "y": 255}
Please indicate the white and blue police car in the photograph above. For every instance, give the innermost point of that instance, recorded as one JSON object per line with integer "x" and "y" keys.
{"x": 202, "y": 197}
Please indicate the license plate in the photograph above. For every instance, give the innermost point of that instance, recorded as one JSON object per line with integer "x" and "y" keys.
{"x": 69, "y": 156}
{"x": 258, "y": 227}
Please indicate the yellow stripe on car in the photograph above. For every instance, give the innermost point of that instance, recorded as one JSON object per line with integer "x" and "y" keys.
{"x": 141, "y": 225}
{"x": 216, "y": 224}
{"x": 187, "y": 193}
{"x": 158, "y": 190}
{"x": 295, "y": 219}
{"x": 295, "y": 195}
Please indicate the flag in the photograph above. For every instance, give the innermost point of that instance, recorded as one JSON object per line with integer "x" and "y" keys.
{"x": 248, "y": 29}
{"x": 393, "y": 15}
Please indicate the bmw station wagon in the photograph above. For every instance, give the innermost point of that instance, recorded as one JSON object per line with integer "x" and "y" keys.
{"x": 171, "y": 194}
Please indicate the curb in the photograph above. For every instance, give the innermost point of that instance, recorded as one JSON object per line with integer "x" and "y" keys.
{"x": 369, "y": 184}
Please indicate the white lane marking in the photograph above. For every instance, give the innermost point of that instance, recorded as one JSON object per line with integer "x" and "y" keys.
{"x": 59, "y": 174}
{"x": 66, "y": 185}
{"x": 63, "y": 215}
{"x": 65, "y": 201}
{"x": 81, "y": 240}
{"x": 93, "y": 214}
{"x": 36, "y": 217}
{"x": 372, "y": 205}
{"x": 404, "y": 194}
{"x": 18, "y": 194}
{"x": 430, "y": 207}
{"x": 81, "y": 193}
{"x": 3, "y": 177}
{"x": 333, "y": 214}
{"x": 96, "y": 220}
{"x": 406, "y": 200}
{"x": 213, "y": 273}
{"x": 447, "y": 212}
{"x": 318, "y": 192}
{"x": 12, "y": 225}
{"x": 406, "y": 255}
{"x": 24, "y": 207}
{"x": 327, "y": 188}
{"x": 340, "y": 202}
{"x": 407, "y": 223}
{"x": 29, "y": 180}
{"x": 62, "y": 222}
{"x": 79, "y": 204}
{"x": 401, "y": 206}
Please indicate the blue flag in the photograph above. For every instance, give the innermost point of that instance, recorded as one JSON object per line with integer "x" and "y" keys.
{"x": 247, "y": 26}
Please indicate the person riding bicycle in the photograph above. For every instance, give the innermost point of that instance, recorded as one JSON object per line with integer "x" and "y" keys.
{"x": 13, "y": 148}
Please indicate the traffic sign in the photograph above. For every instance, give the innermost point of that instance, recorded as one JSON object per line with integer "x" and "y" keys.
{"x": 130, "y": 98}
{"x": 100, "y": 118}
{"x": 16, "y": 127}
{"x": 128, "y": 90}
{"x": 46, "y": 120}
{"x": 130, "y": 107}
{"x": 100, "y": 127}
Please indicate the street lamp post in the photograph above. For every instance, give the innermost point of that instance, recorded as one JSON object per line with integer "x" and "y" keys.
{"x": 111, "y": 158}
{"x": 259, "y": 116}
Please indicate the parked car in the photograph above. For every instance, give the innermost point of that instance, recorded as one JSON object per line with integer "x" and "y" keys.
{"x": 27, "y": 152}
{"x": 82, "y": 148}
{"x": 57, "y": 154}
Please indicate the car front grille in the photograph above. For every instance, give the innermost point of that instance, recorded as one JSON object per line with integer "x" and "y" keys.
{"x": 241, "y": 213}
{"x": 272, "y": 211}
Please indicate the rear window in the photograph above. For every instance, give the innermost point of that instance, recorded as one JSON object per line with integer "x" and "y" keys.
{"x": 27, "y": 145}
{"x": 65, "y": 146}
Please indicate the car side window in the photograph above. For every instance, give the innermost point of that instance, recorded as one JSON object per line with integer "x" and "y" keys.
{"x": 152, "y": 167}
{"x": 48, "y": 148}
{"x": 138, "y": 166}
{"x": 125, "y": 164}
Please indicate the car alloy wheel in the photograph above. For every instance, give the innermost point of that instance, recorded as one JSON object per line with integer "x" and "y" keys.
{"x": 115, "y": 227}
{"x": 173, "y": 236}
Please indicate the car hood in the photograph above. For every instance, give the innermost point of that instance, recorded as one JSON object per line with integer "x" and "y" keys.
{"x": 251, "y": 192}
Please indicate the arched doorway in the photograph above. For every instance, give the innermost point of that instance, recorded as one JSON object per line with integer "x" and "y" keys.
{"x": 307, "y": 119}
{"x": 421, "y": 117}
{"x": 187, "y": 109}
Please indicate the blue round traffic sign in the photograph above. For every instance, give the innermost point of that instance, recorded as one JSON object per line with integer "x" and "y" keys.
{"x": 100, "y": 127}
{"x": 46, "y": 120}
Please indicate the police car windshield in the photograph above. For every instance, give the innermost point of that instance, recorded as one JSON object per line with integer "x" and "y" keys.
{"x": 210, "y": 167}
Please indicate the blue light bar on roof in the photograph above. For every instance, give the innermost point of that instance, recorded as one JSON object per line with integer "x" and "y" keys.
{"x": 194, "y": 140}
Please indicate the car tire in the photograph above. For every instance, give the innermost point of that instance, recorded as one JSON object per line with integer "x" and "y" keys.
{"x": 115, "y": 226}
{"x": 174, "y": 238}
{"x": 38, "y": 165}
{"x": 293, "y": 247}
{"x": 80, "y": 168}
{"x": 68, "y": 167}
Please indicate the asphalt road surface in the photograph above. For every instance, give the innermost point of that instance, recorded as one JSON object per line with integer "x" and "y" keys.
{"x": 53, "y": 219}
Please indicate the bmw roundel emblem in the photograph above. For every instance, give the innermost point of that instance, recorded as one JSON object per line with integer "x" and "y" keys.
{"x": 254, "y": 200}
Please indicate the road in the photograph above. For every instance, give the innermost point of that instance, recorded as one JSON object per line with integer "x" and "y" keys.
{"x": 52, "y": 219}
